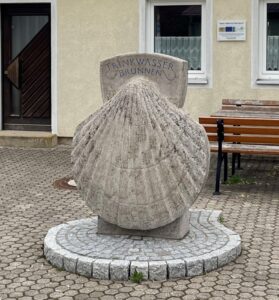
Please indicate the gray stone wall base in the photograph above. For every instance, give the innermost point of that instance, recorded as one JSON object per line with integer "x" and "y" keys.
{"x": 175, "y": 230}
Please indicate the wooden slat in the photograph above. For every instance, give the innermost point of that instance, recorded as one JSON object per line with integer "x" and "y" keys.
{"x": 240, "y": 121}
{"x": 250, "y": 102}
{"x": 252, "y": 139}
{"x": 251, "y": 109}
{"x": 247, "y": 139}
{"x": 244, "y": 130}
{"x": 245, "y": 114}
{"x": 246, "y": 149}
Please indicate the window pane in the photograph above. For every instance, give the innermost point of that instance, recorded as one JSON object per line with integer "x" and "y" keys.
{"x": 178, "y": 32}
{"x": 272, "y": 48}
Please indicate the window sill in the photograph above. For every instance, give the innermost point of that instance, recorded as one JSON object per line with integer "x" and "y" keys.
{"x": 267, "y": 81}
{"x": 201, "y": 81}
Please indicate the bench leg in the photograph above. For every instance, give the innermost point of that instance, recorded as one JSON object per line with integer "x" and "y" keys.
{"x": 225, "y": 166}
{"x": 238, "y": 161}
{"x": 218, "y": 174}
{"x": 233, "y": 163}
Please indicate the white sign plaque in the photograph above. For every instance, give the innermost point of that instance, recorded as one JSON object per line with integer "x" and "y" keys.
{"x": 231, "y": 31}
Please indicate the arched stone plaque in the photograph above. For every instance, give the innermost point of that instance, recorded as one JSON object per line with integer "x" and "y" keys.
{"x": 169, "y": 73}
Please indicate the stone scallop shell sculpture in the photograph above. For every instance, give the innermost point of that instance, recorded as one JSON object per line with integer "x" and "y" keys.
{"x": 139, "y": 161}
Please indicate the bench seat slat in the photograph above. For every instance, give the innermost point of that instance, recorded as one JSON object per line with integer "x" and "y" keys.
{"x": 246, "y": 149}
{"x": 241, "y": 121}
{"x": 251, "y": 109}
{"x": 247, "y": 139}
{"x": 246, "y": 114}
{"x": 250, "y": 102}
{"x": 245, "y": 130}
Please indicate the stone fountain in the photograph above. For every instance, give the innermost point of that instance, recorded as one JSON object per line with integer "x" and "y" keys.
{"x": 139, "y": 163}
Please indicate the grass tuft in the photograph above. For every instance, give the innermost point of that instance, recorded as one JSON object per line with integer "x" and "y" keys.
{"x": 137, "y": 277}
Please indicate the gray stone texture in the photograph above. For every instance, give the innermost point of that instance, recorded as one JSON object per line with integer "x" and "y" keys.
{"x": 29, "y": 206}
{"x": 85, "y": 266}
{"x": 101, "y": 268}
{"x": 119, "y": 270}
{"x": 70, "y": 262}
{"x": 77, "y": 245}
{"x": 175, "y": 230}
{"x": 194, "y": 266}
{"x": 157, "y": 270}
{"x": 139, "y": 161}
{"x": 168, "y": 72}
{"x": 176, "y": 268}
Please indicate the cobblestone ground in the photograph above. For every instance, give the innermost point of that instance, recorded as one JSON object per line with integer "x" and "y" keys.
{"x": 30, "y": 205}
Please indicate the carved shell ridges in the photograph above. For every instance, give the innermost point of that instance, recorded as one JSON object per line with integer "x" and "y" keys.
{"x": 139, "y": 161}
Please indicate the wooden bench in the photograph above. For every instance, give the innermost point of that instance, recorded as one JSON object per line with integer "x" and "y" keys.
{"x": 252, "y": 136}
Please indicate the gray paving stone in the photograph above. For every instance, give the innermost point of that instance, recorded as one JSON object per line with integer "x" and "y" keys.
{"x": 85, "y": 266}
{"x": 194, "y": 267}
{"x": 176, "y": 268}
{"x": 210, "y": 263}
{"x": 101, "y": 268}
{"x": 157, "y": 270}
{"x": 119, "y": 270}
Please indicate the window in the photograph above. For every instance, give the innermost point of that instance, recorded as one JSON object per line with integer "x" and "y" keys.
{"x": 179, "y": 29}
{"x": 268, "y": 42}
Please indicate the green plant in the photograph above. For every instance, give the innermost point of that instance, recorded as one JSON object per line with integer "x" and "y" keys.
{"x": 236, "y": 179}
{"x": 137, "y": 277}
{"x": 221, "y": 219}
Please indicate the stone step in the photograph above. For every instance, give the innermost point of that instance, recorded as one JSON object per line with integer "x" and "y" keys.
{"x": 30, "y": 139}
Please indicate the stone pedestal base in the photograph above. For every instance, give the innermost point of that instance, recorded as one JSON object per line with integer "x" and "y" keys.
{"x": 175, "y": 230}
{"x": 76, "y": 247}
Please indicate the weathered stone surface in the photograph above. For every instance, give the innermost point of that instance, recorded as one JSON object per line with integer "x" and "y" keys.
{"x": 175, "y": 230}
{"x": 210, "y": 263}
{"x": 119, "y": 270}
{"x": 176, "y": 268}
{"x": 157, "y": 270}
{"x": 168, "y": 72}
{"x": 70, "y": 262}
{"x": 101, "y": 268}
{"x": 85, "y": 266}
{"x": 194, "y": 266}
{"x": 139, "y": 161}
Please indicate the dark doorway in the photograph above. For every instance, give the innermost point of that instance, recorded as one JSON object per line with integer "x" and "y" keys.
{"x": 26, "y": 60}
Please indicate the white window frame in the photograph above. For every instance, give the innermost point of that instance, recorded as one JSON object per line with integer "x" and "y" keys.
{"x": 147, "y": 33}
{"x": 259, "y": 73}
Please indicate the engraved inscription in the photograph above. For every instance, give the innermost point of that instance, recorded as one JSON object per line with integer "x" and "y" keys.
{"x": 126, "y": 67}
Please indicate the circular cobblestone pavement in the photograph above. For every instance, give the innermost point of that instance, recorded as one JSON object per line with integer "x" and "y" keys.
{"x": 78, "y": 248}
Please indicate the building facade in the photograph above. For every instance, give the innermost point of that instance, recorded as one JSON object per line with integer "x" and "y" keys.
{"x": 51, "y": 52}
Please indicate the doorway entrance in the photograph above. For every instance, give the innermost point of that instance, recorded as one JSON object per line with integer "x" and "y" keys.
{"x": 26, "y": 67}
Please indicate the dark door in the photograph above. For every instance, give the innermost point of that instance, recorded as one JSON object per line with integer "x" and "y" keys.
{"x": 26, "y": 66}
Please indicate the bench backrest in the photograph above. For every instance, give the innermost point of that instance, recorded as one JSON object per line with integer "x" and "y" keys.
{"x": 268, "y": 106}
{"x": 243, "y": 130}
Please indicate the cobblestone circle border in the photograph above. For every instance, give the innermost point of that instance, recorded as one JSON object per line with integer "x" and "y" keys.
{"x": 79, "y": 262}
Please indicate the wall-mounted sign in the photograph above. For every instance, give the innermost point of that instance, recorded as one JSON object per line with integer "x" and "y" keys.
{"x": 231, "y": 31}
